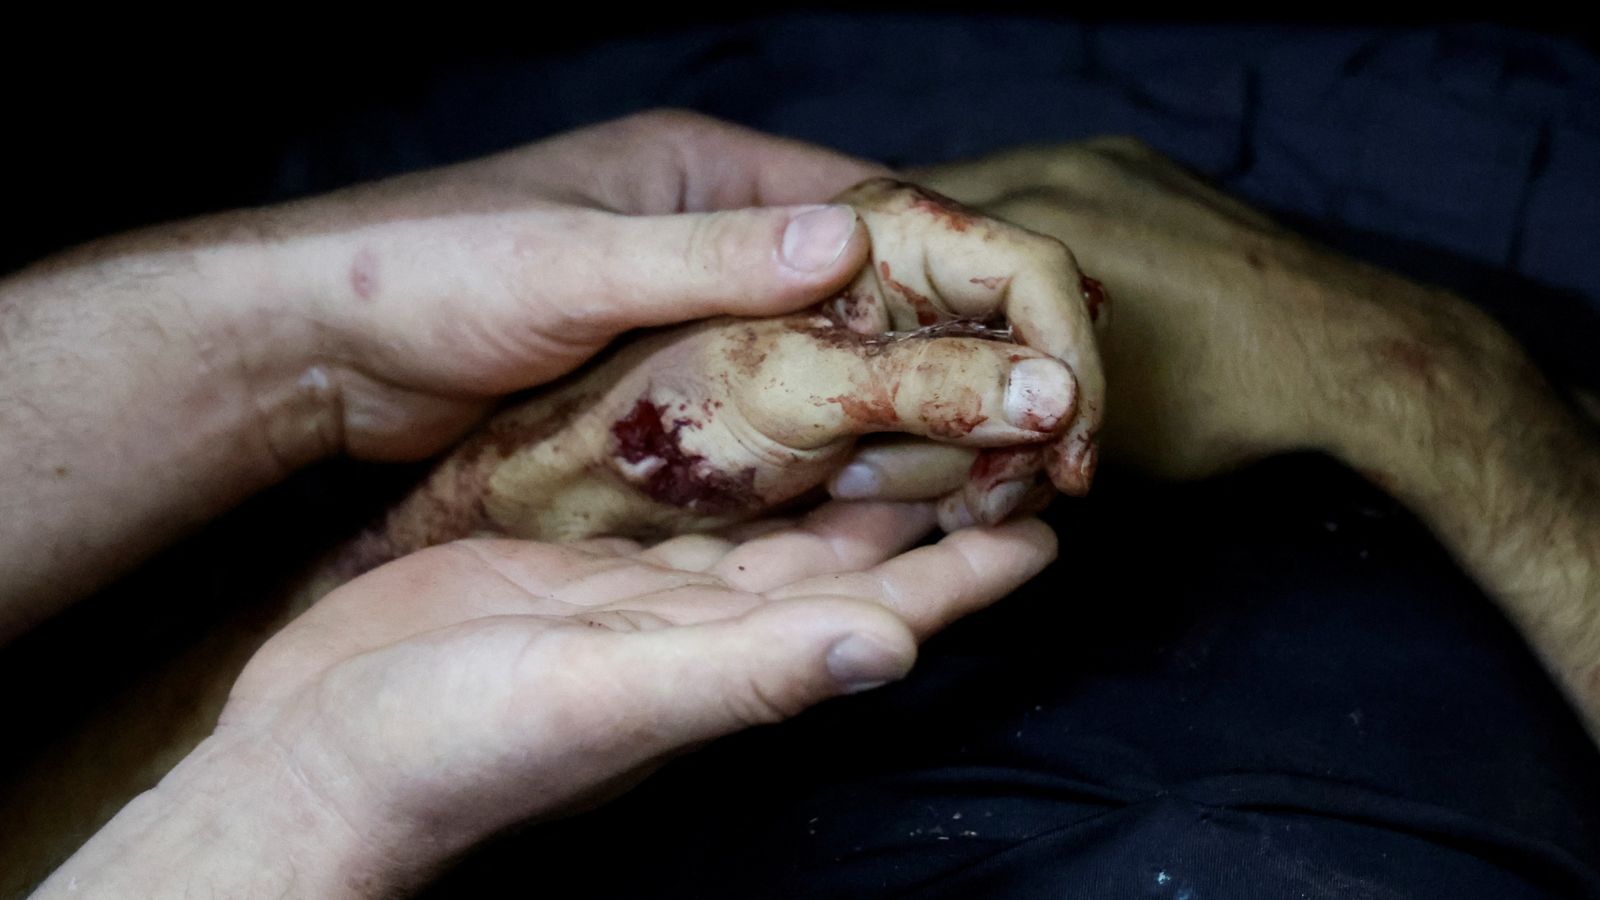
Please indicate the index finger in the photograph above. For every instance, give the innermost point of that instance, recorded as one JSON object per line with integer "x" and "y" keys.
{"x": 934, "y": 258}
{"x": 673, "y": 161}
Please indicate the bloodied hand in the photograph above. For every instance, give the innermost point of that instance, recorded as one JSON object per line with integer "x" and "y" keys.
{"x": 961, "y": 330}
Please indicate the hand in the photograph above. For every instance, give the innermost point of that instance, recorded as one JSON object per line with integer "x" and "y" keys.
{"x": 153, "y": 380}
{"x": 447, "y": 695}
{"x": 710, "y": 424}
{"x": 1232, "y": 338}
{"x": 430, "y": 296}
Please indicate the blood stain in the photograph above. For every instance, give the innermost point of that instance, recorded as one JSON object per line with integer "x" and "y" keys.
{"x": 1094, "y": 295}
{"x": 682, "y": 478}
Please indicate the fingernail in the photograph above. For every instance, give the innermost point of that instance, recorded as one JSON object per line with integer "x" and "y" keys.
{"x": 1038, "y": 394}
{"x": 816, "y": 238}
{"x": 859, "y": 663}
{"x": 1002, "y": 499}
{"x": 954, "y": 514}
{"x": 856, "y": 481}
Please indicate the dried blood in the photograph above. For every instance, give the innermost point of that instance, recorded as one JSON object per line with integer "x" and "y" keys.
{"x": 680, "y": 478}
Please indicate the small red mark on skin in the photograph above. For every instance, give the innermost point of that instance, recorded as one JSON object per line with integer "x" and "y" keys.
{"x": 872, "y": 406}
{"x": 927, "y": 312}
{"x": 683, "y": 479}
{"x": 1032, "y": 420}
{"x": 1004, "y": 464}
{"x": 61, "y": 471}
{"x": 992, "y": 282}
{"x": 746, "y": 353}
{"x": 364, "y": 274}
{"x": 1094, "y": 295}
{"x": 1380, "y": 478}
{"x": 954, "y": 415}
{"x": 854, "y": 310}
{"x": 1409, "y": 357}
{"x": 954, "y": 215}
{"x": 1254, "y": 259}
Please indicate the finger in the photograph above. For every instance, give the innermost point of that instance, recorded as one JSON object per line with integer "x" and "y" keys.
{"x": 835, "y": 537}
{"x": 902, "y": 469}
{"x": 640, "y": 271}
{"x": 690, "y": 552}
{"x": 670, "y": 161}
{"x": 749, "y": 531}
{"x": 995, "y": 487}
{"x": 654, "y": 692}
{"x": 932, "y": 586}
{"x": 960, "y": 263}
{"x": 607, "y": 546}
{"x": 728, "y": 166}
{"x": 526, "y": 574}
{"x": 816, "y": 385}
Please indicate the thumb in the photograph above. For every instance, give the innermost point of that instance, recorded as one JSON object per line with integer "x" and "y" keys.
{"x": 659, "y": 270}
{"x": 699, "y": 682}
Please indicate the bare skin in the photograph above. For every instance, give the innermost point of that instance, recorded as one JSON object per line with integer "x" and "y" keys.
{"x": 710, "y": 424}
{"x": 155, "y": 379}
{"x": 1232, "y": 340}
{"x": 689, "y": 429}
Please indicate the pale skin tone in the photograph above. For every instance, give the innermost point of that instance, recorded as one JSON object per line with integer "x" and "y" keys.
{"x": 383, "y": 323}
{"x": 1230, "y": 340}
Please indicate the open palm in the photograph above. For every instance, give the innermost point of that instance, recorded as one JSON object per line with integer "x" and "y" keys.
{"x": 480, "y": 683}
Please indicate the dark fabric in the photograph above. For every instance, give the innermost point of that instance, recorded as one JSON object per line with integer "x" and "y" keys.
{"x": 1270, "y": 685}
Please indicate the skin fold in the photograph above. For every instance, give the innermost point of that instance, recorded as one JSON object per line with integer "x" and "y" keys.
{"x": 1224, "y": 339}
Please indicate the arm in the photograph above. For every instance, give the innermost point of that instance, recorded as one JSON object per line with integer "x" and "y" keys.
{"x": 1233, "y": 339}
{"x": 149, "y": 382}
{"x": 437, "y": 699}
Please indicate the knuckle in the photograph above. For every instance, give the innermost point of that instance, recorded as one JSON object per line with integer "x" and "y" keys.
{"x": 670, "y": 120}
{"x": 1122, "y": 145}
{"x": 1047, "y": 250}
{"x": 762, "y": 704}
{"x": 875, "y": 192}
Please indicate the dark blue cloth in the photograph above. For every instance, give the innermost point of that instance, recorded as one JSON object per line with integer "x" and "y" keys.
{"x": 1270, "y": 685}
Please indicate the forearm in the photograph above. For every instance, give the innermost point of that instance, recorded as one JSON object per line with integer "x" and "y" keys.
{"x": 1231, "y": 340}
{"x": 1460, "y": 425}
{"x": 132, "y": 384}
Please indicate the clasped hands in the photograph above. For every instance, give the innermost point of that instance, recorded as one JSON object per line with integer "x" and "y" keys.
{"x": 456, "y": 688}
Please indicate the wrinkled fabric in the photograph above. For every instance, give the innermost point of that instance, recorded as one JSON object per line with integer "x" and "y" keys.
{"x": 1270, "y": 685}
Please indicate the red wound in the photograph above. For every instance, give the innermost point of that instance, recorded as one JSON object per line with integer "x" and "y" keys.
{"x": 679, "y": 478}
{"x": 1094, "y": 295}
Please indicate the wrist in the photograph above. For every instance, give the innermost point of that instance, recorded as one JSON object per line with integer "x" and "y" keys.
{"x": 232, "y": 819}
{"x": 132, "y": 374}
{"x": 1419, "y": 386}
